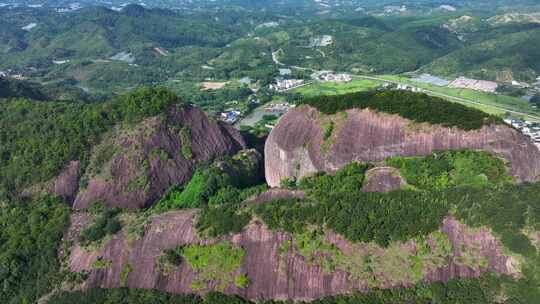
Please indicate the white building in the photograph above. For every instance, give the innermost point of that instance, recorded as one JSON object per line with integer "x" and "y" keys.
{"x": 329, "y": 76}
{"x": 230, "y": 116}
{"x": 527, "y": 128}
{"x": 287, "y": 84}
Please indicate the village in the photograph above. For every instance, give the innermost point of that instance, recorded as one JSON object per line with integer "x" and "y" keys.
{"x": 233, "y": 115}
{"x": 282, "y": 84}
{"x": 527, "y": 128}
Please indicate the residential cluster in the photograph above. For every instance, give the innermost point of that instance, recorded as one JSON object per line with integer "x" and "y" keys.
{"x": 529, "y": 129}
{"x": 13, "y": 74}
{"x": 329, "y": 76}
{"x": 283, "y": 85}
{"x": 230, "y": 116}
{"x": 406, "y": 87}
{"x": 279, "y": 108}
{"x": 322, "y": 41}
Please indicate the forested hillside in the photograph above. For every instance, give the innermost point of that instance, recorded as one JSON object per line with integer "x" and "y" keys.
{"x": 159, "y": 152}
{"x": 90, "y": 48}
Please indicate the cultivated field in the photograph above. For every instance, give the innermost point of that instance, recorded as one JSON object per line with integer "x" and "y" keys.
{"x": 488, "y": 102}
{"x": 333, "y": 88}
{"x": 205, "y": 86}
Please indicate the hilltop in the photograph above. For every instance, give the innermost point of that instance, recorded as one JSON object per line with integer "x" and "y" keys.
{"x": 328, "y": 132}
{"x": 373, "y": 206}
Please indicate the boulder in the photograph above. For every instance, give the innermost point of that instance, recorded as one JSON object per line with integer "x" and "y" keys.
{"x": 383, "y": 179}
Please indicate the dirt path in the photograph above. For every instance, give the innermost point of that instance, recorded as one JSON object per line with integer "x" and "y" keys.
{"x": 275, "y": 57}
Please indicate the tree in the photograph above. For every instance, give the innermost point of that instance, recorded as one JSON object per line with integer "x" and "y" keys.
{"x": 535, "y": 100}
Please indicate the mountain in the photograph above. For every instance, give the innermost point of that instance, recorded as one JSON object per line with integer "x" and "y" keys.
{"x": 271, "y": 262}
{"x": 113, "y": 192}
{"x": 107, "y": 52}
{"x": 405, "y": 201}
{"x": 134, "y": 167}
{"x": 314, "y": 137}
{"x": 99, "y": 33}
{"x": 510, "y": 52}
{"x": 329, "y": 235}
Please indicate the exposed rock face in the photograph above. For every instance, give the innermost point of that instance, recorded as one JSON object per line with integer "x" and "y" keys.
{"x": 135, "y": 166}
{"x": 66, "y": 184}
{"x": 296, "y": 146}
{"x": 383, "y": 179}
{"x": 272, "y": 275}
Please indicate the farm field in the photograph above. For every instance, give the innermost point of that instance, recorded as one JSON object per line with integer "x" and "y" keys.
{"x": 333, "y": 88}
{"x": 491, "y": 103}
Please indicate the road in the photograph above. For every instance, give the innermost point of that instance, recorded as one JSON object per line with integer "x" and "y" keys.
{"x": 459, "y": 99}
{"x": 429, "y": 92}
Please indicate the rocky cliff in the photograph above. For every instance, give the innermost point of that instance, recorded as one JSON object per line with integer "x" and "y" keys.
{"x": 135, "y": 165}
{"x": 306, "y": 141}
{"x": 277, "y": 273}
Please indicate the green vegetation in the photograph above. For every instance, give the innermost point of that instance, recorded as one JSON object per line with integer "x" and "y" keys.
{"x": 159, "y": 153}
{"x": 192, "y": 196}
{"x": 419, "y": 108}
{"x": 452, "y": 169}
{"x": 214, "y": 263}
{"x": 126, "y": 269}
{"x": 169, "y": 260}
{"x": 182, "y": 48}
{"x": 496, "y": 104}
{"x": 373, "y": 264}
{"x": 124, "y": 296}
{"x": 185, "y": 139}
{"x": 11, "y": 88}
{"x": 535, "y": 100}
{"x": 328, "y": 128}
{"x": 105, "y": 224}
{"x": 335, "y": 202}
{"x": 223, "y": 219}
{"x": 30, "y": 236}
{"x": 360, "y": 217}
{"x": 38, "y": 139}
{"x": 241, "y": 281}
{"x": 483, "y": 60}
{"x": 333, "y": 88}
{"x": 218, "y": 189}
{"x": 485, "y": 289}
{"x": 216, "y": 183}
{"x": 101, "y": 264}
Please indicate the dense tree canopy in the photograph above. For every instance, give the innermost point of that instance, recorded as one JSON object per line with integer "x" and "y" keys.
{"x": 414, "y": 106}
{"x": 38, "y": 138}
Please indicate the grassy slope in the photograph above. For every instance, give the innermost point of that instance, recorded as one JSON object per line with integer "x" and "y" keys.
{"x": 332, "y": 88}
